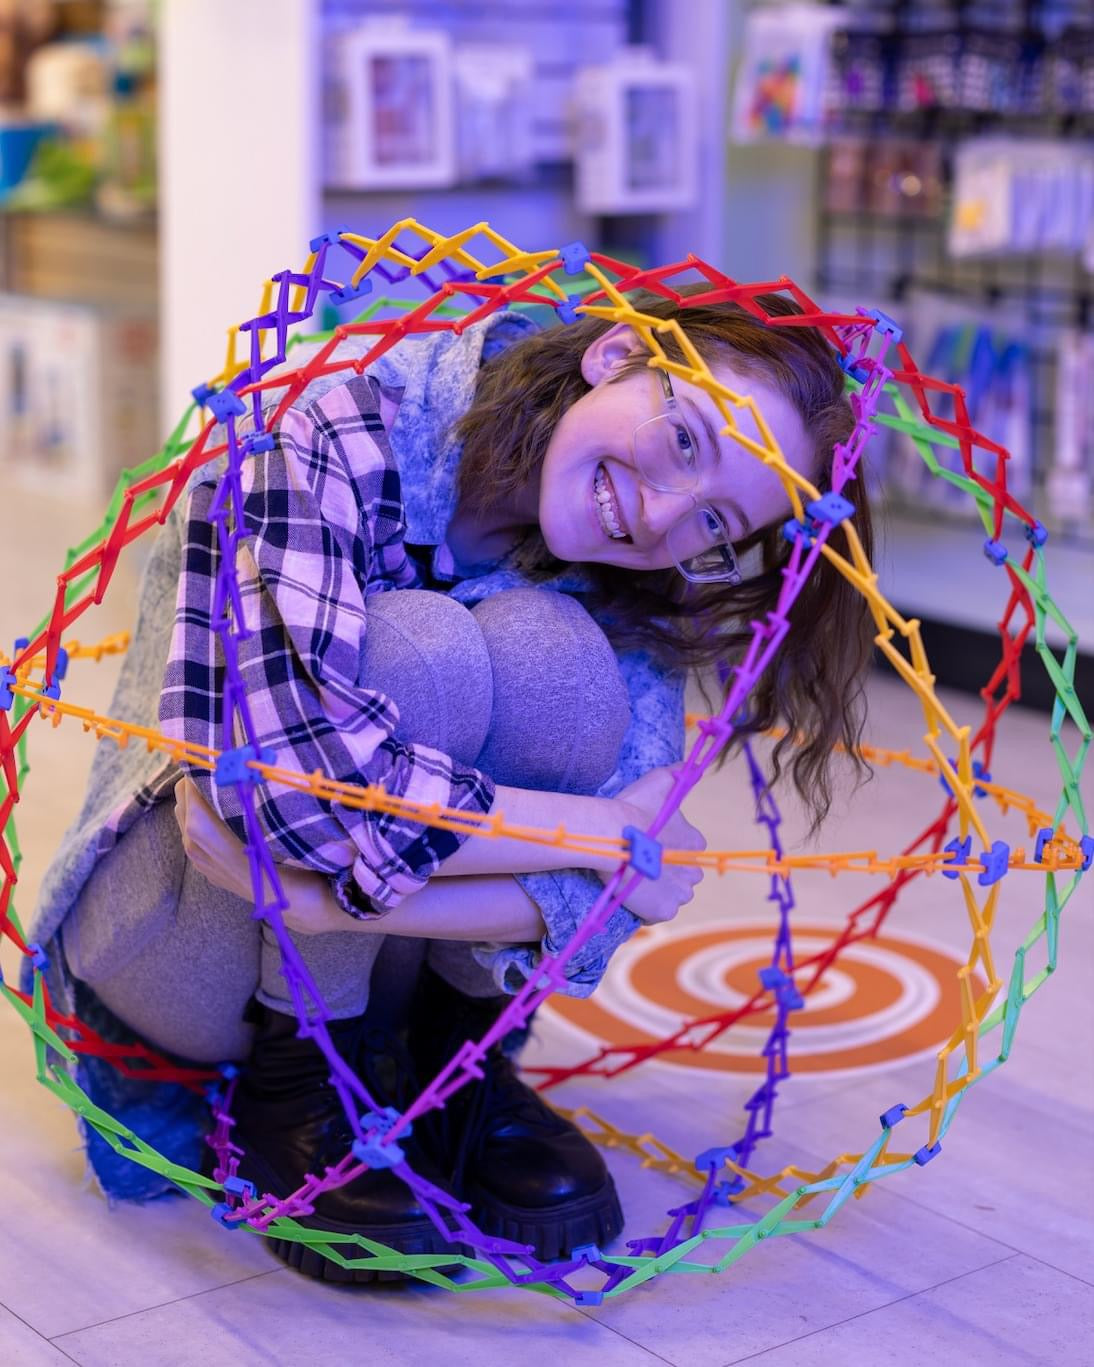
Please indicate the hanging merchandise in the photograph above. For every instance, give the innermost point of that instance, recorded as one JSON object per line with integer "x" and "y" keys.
{"x": 388, "y": 107}
{"x": 1021, "y": 195}
{"x": 1068, "y": 486}
{"x": 784, "y": 74}
{"x": 636, "y": 136}
{"x": 989, "y": 358}
{"x": 494, "y": 111}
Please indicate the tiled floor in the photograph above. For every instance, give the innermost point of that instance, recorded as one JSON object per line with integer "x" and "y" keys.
{"x": 984, "y": 1257}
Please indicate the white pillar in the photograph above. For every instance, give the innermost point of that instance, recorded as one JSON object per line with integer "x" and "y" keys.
{"x": 238, "y": 170}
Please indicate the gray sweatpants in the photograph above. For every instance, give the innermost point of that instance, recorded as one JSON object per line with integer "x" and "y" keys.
{"x": 523, "y": 686}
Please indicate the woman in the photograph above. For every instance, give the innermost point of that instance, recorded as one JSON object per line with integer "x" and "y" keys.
{"x": 580, "y": 471}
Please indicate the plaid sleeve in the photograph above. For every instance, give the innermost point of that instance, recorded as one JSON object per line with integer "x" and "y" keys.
{"x": 323, "y": 516}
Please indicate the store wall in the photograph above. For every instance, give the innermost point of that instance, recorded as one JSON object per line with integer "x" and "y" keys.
{"x": 238, "y": 141}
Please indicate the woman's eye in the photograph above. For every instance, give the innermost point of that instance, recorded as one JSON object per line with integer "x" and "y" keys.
{"x": 685, "y": 445}
{"x": 715, "y": 526}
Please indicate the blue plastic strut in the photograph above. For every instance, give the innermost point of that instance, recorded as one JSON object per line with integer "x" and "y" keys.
{"x": 1044, "y": 835}
{"x": 795, "y": 528}
{"x": 232, "y": 765}
{"x": 239, "y": 1186}
{"x": 348, "y": 293}
{"x": 961, "y": 850}
{"x": 567, "y": 312}
{"x": 645, "y": 852}
{"x": 884, "y": 324}
{"x": 996, "y": 862}
{"x": 226, "y": 404}
{"x": 714, "y": 1158}
{"x": 575, "y": 256}
{"x": 832, "y": 507}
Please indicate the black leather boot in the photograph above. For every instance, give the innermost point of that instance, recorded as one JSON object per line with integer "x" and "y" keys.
{"x": 527, "y": 1173}
{"x": 289, "y": 1122}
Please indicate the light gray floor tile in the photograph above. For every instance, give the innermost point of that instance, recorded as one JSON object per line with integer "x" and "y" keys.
{"x": 1018, "y": 1313}
{"x": 283, "y": 1321}
{"x": 20, "y": 1346}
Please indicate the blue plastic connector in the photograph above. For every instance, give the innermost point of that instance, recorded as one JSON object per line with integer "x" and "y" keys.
{"x": 7, "y": 697}
{"x": 258, "y": 442}
{"x": 202, "y": 393}
{"x": 793, "y": 529}
{"x": 832, "y": 507}
{"x": 567, "y": 312}
{"x": 62, "y": 663}
{"x": 232, "y": 765}
{"x": 575, "y": 256}
{"x": 240, "y": 1187}
{"x": 21, "y": 643}
{"x": 723, "y": 1193}
{"x": 771, "y": 976}
{"x": 52, "y": 690}
{"x": 961, "y": 850}
{"x": 348, "y": 293}
{"x": 996, "y": 862}
{"x": 588, "y": 1297}
{"x": 330, "y": 239}
{"x": 924, "y": 1155}
{"x": 645, "y": 852}
{"x": 790, "y": 997}
{"x": 213, "y": 1095}
{"x": 1044, "y": 835}
{"x": 978, "y": 772}
{"x": 227, "y": 1071}
{"x": 372, "y": 1149}
{"x": 995, "y": 551}
{"x": 853, "y": 368}
{"x": 1086, "y": 844}
{"x": 38, "y": 957}
{"x": 714, "y": 1158}
{"x": 220, "y": 1213}
{"x": 884, "y": 324}
{"x": 894, "y": 1115}
{"x": 225, "y": 404}
{"x": 590, "y": 1252}
{"x": 1037, "y": 535}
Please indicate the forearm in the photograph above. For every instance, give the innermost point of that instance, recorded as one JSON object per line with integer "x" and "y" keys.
{"x": 485, "y": 907}
{"x": 485, "y": 855}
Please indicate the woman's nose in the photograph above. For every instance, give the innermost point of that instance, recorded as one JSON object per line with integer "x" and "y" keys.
{"x": 662, "y": 510}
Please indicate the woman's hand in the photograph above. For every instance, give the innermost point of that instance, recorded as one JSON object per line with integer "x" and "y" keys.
{"x": 219, "y": 856}
{"x": 210, "y": 845}
{"x": 659, "y": 899}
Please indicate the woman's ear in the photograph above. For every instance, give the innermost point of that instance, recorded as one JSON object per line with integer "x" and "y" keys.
{"x": 604, "y": 356}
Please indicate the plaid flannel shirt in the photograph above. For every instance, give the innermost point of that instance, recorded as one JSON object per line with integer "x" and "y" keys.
{"x": 324, "y": 528}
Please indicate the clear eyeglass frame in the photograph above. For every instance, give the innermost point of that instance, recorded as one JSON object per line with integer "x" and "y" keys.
{"x": 716, "y": 562}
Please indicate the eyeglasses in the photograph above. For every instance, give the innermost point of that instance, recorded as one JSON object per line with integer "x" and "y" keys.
{"x": 665, "y": 455}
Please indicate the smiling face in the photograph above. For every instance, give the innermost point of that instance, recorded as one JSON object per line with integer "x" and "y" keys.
{"x": 593, "y": 504}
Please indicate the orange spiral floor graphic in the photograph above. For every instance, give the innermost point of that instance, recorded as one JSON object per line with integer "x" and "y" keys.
{"x": 889, "y": 999}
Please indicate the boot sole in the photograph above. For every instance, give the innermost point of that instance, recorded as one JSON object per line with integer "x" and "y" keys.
{"x": 416, "y": 1236}
{"x": 556, "y": 1231}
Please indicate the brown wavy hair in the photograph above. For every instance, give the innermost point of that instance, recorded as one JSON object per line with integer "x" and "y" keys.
{"x": 815, "y": 685}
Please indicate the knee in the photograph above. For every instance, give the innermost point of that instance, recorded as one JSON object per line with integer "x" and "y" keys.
{"x": 425, "y": 651}
{"x": 561, "y": 708}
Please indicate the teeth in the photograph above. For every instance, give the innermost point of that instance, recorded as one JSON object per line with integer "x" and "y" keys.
{"x": 608, "y": 516}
